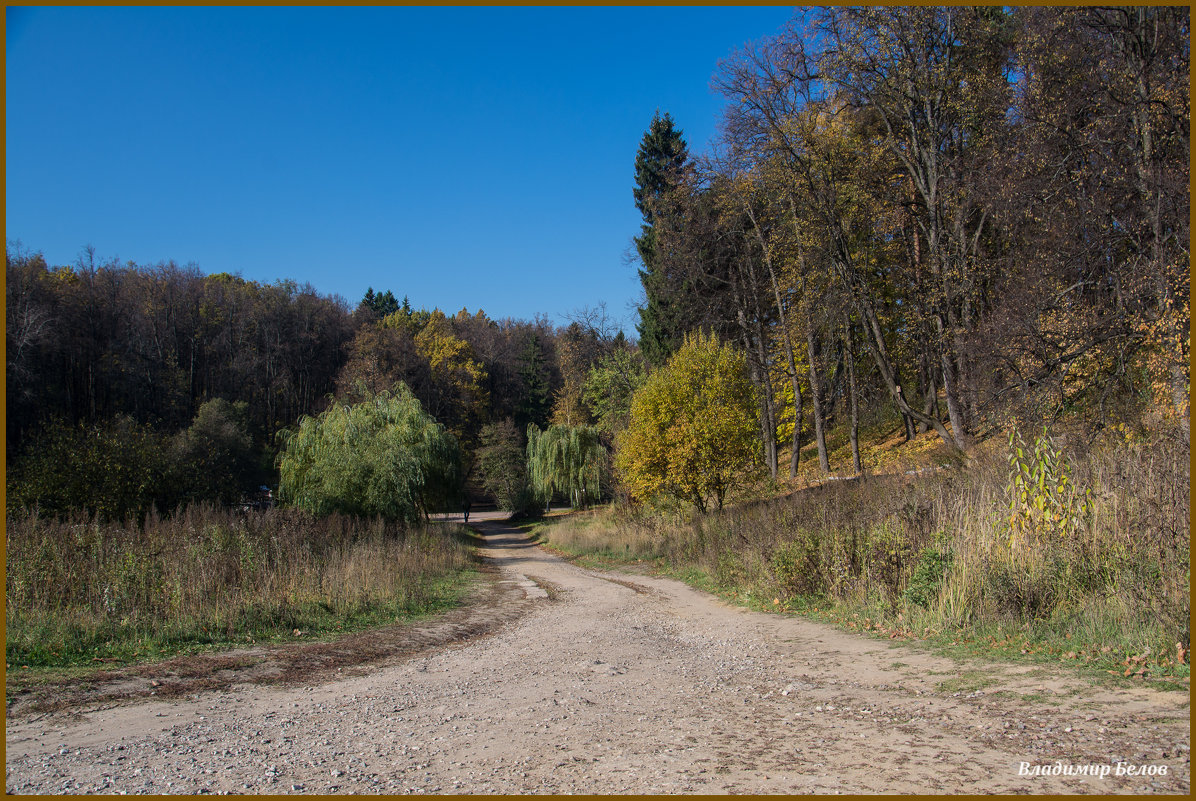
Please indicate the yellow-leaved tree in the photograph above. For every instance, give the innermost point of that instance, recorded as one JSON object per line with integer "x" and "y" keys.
{"x": 693, "y": 433}
{"x": 458, "y": 396}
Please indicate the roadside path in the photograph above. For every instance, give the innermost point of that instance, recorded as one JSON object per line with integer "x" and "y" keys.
{"x": 603, "y": 682}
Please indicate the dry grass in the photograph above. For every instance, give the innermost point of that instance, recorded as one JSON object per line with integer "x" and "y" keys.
{"x": 932, "y": 553}
{"x": 78, "y": 589}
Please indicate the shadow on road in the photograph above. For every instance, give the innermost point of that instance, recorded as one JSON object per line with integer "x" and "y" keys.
{"x": 502, "y": 536}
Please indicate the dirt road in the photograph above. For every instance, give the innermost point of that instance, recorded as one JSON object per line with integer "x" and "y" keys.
{"x": 581, "y": 681}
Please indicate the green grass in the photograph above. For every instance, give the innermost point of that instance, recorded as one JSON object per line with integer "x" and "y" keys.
{"x": 58, "y": 641}
{"x": 968, "y": 682}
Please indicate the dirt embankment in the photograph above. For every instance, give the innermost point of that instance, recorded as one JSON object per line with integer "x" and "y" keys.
{"x": 567, "y": 680}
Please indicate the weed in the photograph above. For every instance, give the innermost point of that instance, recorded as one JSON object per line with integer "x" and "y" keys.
{"x": 929, "y": 574}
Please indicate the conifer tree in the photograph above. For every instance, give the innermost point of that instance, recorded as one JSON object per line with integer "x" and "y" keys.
{"x": 536, "y": 402}
{"x": 658, "y": 163}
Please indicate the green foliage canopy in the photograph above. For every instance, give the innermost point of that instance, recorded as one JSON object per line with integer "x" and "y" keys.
{"x": 114, "y": 470}
{"x": 215, "y": 458}
{"x": 566, "y": 460}
{"x": 658, "y": 162}
{"x": 536, "y": 401}
{"x": 502, "y": 465}
{"x": 609, "y": 387}
{"x": 383, "y": 456}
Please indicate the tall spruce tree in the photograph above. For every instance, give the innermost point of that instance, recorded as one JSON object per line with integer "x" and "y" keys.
{"x": 535, "y": 404}
{"x": 662, "y": 155}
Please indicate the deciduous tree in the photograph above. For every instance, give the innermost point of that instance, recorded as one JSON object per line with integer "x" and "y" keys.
{"x": 567, "y": 461}
{"x": 382, "y": 456}
{"x": 693, "y": 428}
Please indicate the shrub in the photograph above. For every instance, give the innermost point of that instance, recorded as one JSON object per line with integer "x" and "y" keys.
{"x": 1115, "y": 578}
{"x": 797, "y": 565}
{"x": 1045, "y": 504}
{"x": 114, "y": 470}
{"x": 928, "y": 576}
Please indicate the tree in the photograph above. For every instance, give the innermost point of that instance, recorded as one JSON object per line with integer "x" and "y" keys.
{"x": 502, "y": 464}
{"x": 783, "y": 108}
{"x": 114, "y": 469}
{"x": 380, "y": 304}
{"x": 380, "y": 356}
{"x": 458, "y": 397}
{"x": 610, "y": 385}
{"x": 382, "y": 456}
{"x": 936, "y": 79}
{"x": 692, "y": 433}
{"x": 565, "y": 460}
{"x": 1101, "y": 156}
{"x": 577, "y": 349}
{"x": 658, "y": 163}
{"x": 535, "y": 402}
{"x": 215, "y": 456}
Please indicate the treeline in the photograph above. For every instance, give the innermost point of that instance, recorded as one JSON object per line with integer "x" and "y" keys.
{"x": 964, "y": 217}
{"x": 971, "y": 216}
{"x": 134, "y": 386}
{"x": 94, "y": 340}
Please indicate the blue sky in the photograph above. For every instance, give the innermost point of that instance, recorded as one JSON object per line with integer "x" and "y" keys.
{"x": 476, "y": 157}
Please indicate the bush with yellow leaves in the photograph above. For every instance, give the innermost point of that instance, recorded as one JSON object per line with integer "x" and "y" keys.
{"x": 693, "y": 434}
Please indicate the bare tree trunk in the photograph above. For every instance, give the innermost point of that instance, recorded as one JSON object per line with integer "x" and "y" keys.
{"x": 860, "y": 298}
{"x": 853, "y": 399}
{"x": 753, "y": 348}
{"x": 954, "y": 411}
{"x": 795, "y": 444}
{"x": 786, "y": 342}
{"x": 929, "y": 389}
{"x": 768, "y": 421}
{"x": 876, "y": 344}
{"x": 816, "y": 393}
{"x": 765, "y": 375}
{"x": 950, "y": 389}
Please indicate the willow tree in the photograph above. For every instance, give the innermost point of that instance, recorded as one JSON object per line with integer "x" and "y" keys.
{"x": 565, "y": 460}
{"x": 383, "y": 456}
